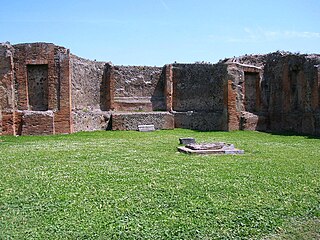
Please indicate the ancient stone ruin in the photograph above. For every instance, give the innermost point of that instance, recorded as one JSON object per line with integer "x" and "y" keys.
{"x": 217, "y": 148}
{"x": 44, "y": 89}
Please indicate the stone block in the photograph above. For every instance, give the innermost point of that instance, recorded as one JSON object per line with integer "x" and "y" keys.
{"x": 146, "y": 128}
{"x": 187, "y": 140}
{"x": 131, "y": 121}
{"x": 253, "y": 122}
{"x": 38, "y": 123}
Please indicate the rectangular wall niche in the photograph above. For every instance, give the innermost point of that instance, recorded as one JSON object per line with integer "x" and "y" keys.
{"x": 38, "y": 87}
{"x": 295, "y": 93}
{"x": 252, "y": 91}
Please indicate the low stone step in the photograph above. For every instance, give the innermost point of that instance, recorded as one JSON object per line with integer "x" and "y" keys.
{"x": 146, "y": 128}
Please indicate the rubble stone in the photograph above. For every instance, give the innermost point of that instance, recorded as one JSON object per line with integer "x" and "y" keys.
{"x": 46, "y": 90}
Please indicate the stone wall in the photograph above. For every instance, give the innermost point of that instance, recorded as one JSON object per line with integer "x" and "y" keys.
{"x": 281, "y": 93}
{"x": 199, "y": 96}
{"x": 138, "y": 88}
{"x": 7, "y": 100}
{"x": 88, "y": 95}
{"x": 6, "y": 76}
{"x": 87, "y": 78}
{"x": 293, "y": 93}
{"x": 90, "y": 120}
{"x": 38, "y": 87}
{"x": 198, "y": 87}
{"x": 45, "y": 90}
{"x": 130, "y": 121}
{"x": 247, "y": 107}
{"x": 37, "y": 123}
{"x": 202, "y": 121}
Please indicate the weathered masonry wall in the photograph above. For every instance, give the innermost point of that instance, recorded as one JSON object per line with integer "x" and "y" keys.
{"x": 199, "y": 96}
{"x": 7, "y": 100}
{"x": 138, "y": 88}
{"x": 281, "y": 94}
{"x": 86, "y": 83}
{"x": 293, "y": 94}
{"x": 133, "y": 93}
{"x": 46, "y": 90}
{"x": 37, "y": 78}
{"x": 131, "y": 121}
{"x": 88, "y": 95}
{"x": 41, "y": 76}
{"x": 247, "y": 109}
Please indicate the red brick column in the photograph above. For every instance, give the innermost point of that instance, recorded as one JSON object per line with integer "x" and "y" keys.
{"x": 168, "y": 87}
{"x": 63, "y": 118}
{"x": 109, "y": 87}
{"x": 233, "y": 114}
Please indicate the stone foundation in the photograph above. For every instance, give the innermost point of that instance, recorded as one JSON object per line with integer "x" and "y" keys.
{"x": 203, "y": 121}
{"x": 130, "y": 121}
{"x": 90, "y": 120}
{"x": 38, "y": 123}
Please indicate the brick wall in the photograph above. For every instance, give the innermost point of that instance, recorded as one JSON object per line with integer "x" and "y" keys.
{"x": 37, "y": 123}
{"x": 293, "y": 95}
{"x": 273, "y": 92}
{"x": 281, "y": 94}
{"x": 7, "y": 97}
{"x": 54, "y": 96}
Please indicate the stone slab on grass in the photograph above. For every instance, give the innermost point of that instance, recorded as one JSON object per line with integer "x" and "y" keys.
{"x": 146, "y": 128}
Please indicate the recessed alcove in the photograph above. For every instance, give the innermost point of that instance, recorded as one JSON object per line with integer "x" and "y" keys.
{"x": 38, "y": 87}
{"x": 252, "y": 90}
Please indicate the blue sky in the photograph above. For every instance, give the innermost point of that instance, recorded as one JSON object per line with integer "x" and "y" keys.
{"x": 156, "y": 32}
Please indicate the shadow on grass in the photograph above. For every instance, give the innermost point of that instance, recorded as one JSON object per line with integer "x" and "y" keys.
{"x": 276, "y": 133}
{"x": 302, "y": 230}
{"x": 290, "y": 133}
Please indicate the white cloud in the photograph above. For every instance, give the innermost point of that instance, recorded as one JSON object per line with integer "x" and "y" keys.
{"x": 261, "y": 35}
{"x": 293, "y": 34}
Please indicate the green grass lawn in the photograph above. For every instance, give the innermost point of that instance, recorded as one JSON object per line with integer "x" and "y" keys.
{"x": 133, "y": 185}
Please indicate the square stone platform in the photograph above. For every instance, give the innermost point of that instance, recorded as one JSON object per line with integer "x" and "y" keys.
{"x": 211, "y": 148}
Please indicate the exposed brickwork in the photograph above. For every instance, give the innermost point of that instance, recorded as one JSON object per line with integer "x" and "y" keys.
{"x": 107, "y": 88}
{"x": 233, "y": 112}
{"x": 272, "y": 92}
{"x": 54, "y": 95}
{"x": 286, "y": 98}
{"x": 63, "y": 119}
{"x": 38, "y": 123}
{"x": 8, "y": 123}
{"x": 168, "y": 87}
